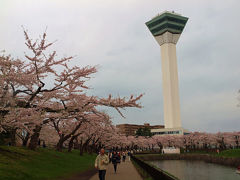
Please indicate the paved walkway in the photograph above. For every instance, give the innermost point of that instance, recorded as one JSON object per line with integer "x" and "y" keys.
{"x": 125, "y": 171}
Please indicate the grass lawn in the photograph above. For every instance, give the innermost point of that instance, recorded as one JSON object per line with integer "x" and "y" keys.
{"x": 17, "y": 163}
{"x": 234, "y": 153}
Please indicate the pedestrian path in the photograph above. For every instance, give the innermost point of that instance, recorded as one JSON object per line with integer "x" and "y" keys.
{"x": 125, "y": 171}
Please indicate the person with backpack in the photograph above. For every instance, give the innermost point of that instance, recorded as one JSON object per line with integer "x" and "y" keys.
{"x": 115, "y": 161}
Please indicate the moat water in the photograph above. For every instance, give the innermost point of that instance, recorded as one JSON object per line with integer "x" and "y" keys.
{"x": 197, "y": 170}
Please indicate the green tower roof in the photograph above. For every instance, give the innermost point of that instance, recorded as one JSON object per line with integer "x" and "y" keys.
{"x": 167, "y": 21}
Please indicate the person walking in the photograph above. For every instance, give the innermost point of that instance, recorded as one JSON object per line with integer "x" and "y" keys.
{"x": 119, "y": 157}
{"x": 115, "y": 160}
{"x": 101, "y": 163}
{"x": 110, "y": 157}
{"x": 129, "y": 155}
{"x": 124, "y": 156}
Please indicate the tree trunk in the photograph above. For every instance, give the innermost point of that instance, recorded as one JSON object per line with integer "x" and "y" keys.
{"x": 62, "y": 139}
{"x": 70, "y": 144}
{"x": 81, "y": 151}
{"x": 25, "y": 140}
{"x": 81, "y": 148}
{"x": 60, "y": 144}
{"x": 13, "y": 137}
{"x": 76, "y": 144}
{"x": 34, "y": 138}
{"x": 90, "y": 149}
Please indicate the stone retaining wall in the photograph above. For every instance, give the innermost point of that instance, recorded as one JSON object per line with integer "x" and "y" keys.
{"x": 155, "y": 173}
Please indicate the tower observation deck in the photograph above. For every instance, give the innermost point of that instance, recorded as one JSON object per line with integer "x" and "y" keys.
{"x": 167, "y": 22}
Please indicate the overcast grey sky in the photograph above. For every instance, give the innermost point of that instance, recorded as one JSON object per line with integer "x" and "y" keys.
{"x": 113, "y": 35}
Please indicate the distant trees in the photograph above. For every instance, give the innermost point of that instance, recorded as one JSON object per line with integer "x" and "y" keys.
{"x": 144, "y": 132}
{"x": 191, "y": 142}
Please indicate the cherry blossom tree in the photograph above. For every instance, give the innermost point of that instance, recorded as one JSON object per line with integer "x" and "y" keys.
{"x": 52, "y": 90}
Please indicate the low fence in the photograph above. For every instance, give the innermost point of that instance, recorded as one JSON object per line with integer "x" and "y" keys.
{"x": 155, "y": 173}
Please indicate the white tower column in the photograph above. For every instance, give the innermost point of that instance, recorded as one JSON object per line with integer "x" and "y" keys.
{"x": 170, "y": 86}
{"x": 171, "y": 103}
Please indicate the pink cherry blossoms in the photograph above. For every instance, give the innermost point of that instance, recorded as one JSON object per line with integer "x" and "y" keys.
{"x": 42, "y": 98}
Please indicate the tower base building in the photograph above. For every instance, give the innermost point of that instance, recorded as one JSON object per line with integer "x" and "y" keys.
{"x": 169, "y": 131}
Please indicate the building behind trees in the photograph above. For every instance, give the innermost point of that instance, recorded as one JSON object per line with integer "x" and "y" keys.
{"x": 131, "y": 129}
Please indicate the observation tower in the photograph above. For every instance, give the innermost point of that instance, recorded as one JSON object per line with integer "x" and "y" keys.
{"x": 166, "y": 29}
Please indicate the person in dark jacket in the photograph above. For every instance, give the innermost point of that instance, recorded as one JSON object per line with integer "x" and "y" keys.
{"x": 115, "y": 160}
